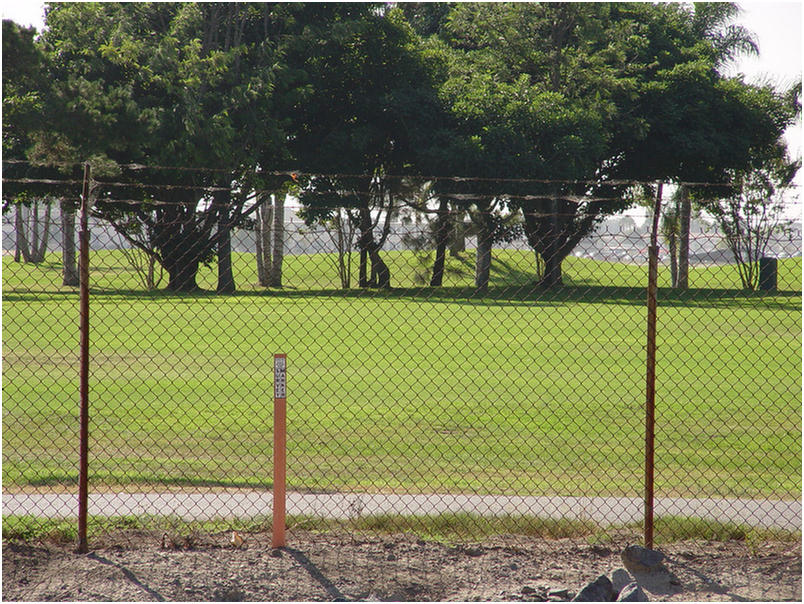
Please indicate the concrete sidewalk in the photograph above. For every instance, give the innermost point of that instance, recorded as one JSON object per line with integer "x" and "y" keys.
{"x": 249, "y": 504}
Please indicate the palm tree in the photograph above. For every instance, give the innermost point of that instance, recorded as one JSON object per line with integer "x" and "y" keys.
{"x": 711, "y": 22}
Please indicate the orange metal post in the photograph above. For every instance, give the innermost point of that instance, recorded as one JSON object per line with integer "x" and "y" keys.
{"x": 280, "y": 441}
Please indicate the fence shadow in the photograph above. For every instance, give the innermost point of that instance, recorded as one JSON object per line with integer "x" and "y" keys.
{"x": 130, "y": 576}
{"x": 333, "y": 593}
{"x": 494, "y": 296}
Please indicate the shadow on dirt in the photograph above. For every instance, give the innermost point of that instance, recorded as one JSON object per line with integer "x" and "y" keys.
{"x": 128, "y": 575}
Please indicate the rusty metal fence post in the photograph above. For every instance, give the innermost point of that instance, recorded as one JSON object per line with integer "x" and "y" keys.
{"x": 650, "y": 373}
{"x": 84, "y": 365}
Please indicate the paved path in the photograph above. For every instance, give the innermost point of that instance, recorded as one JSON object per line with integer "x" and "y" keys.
{"x": 248, "y": 504}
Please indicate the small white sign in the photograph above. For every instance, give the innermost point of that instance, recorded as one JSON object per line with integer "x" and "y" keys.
{"x": 280, "y": 382}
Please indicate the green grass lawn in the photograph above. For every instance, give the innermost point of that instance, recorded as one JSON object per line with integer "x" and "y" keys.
{"x": 416, "y": 389}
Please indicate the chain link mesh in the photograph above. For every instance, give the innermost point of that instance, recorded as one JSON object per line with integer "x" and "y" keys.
{"x": 459, "y": 409}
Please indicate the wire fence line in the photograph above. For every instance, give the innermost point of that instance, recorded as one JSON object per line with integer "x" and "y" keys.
{"x": 406, "y": 403}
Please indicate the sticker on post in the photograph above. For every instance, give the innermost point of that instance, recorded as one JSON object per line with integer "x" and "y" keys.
{"x": 280, "y": 383}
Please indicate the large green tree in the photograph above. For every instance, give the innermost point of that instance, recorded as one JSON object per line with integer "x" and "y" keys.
{"x": 187, "y": 85}
{"x": 587, "y": 95}
{"x": 29, "y": 113}
{"x": 533, "y": 90}
{"x": 366, "y": 106}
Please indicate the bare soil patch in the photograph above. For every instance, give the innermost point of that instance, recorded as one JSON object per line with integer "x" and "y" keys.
{"x": 331, "y": 567}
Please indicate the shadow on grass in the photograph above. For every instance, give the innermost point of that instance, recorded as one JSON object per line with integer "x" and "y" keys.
{"x": 64, "y": 480}
{"x": 525, "y": 294}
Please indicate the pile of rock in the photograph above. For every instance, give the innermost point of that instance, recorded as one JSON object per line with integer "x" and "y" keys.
{"x": 623, "y": 586}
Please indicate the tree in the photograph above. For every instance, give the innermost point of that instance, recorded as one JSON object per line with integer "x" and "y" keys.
{"x": 24, "y": 101}
{"x": 275, "y": 272}
{"x": 341, "y": 230}
{"x": 171, "y": 85}
{"x": 532, "y": 91}
{"x": 710, "y": 22}
{"x": 752, "y": 213}
{"x": 670, "y": 226}
{"x": 363, "y": 112}
{"x": 262, "y": 230}
{"x": 31, "y": 241}
{"x": 584, "y": 95}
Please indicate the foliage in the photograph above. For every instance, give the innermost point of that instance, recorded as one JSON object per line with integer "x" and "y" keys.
{"x": 753, "y": 213}
{"x": 23, "y": 84}
{"x": 509, "y": 95}
{"x": 184, "y": 85}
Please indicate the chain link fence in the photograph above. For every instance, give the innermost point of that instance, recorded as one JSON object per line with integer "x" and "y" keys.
{"x": 421, "y": 399}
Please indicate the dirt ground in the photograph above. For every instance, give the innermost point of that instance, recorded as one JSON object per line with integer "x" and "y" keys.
{"x": 146, "y": 567}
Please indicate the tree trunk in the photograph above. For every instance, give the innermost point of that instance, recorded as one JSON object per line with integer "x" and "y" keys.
{"x": 181, "y": 255}
{"x": 182, "y": 274}
{"x": 33, "y": 225}
{"x": 46, "y": 232}
{"x": 483, "y": 258}
{"x": 552, "y": 270}
{"x": 275, "y": 272}
{"x": 343, "y": 245}
{"x": 364, "y": 244}
{"x": 69, "y": 266}
{"x": 150, "y": 277}
{"x": 362, "y": 269}
{"x": 21, "y": 246}
{"x": 672, "y": 246}
{"x": 539, "y": 266}
{"x": 458, "y": 243}
{"x": 258, "y": 243}
{"x": 381, "y": 274}
{"x": 552, "y": 254}
{"x": 39, "y": 248}
{"x": 226, "y": 284}
{"x": 264, "y": 222}
{"x": 684, "y": 239}
{"x": 442, "y": 238}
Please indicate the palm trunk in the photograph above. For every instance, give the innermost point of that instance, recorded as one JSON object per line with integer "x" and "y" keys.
{"x": 40, "y": 247}
{"x": 672, "y": 246}
{"x": 684, "y": 240}
{"x": 275, "y": 272}
{"x": 21, "y": 247}
{"x": 226, "y": 284}
{"x": 483, "y": 257}
{"x": 442, "y": 238}
{"x": 69, "y": 266}
{"x": 258, "y": 253}
{"x": 33, "y": 220}
{"x": 264, "y": 219}
{"x": 364, "y": 244}
{"x": 458, "y": 243}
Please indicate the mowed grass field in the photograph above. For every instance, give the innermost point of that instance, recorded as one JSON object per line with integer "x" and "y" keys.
{"x": 413, "y": 390}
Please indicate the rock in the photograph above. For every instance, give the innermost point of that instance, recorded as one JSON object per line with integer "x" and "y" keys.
{"x": 559, "y": 593}
{"x": 640, "y": 559}
{"x": 600, "y": 590}
{"x": 230, "y": 594}
{"x": 620, "y": 578}
{"x": 632, "y": 593}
